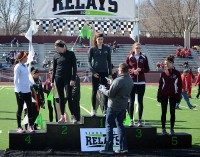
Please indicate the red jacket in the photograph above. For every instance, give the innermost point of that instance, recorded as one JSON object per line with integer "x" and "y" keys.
{"x": 190, "y": 77}
{"x": 198, "y": 80}
{"x": 184, "y": 82}
{"x": 170, "y": 84}
{"x": 134, "y": 64}
{"x": 47, "y": 86}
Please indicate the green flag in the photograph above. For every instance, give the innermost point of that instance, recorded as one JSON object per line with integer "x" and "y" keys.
{"x": 127, "y": 122}
{"x": 50, "y": 98}
{"x": 39, "y": 121}
{"x": 85, "y": 32}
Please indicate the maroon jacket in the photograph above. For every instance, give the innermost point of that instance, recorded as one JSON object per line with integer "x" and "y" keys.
{"x": 133, "y": 65}
{"x": 170, "y": 84}
{"x": 47, "y": 86}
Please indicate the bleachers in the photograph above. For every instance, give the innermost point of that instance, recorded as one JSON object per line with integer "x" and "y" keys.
{"x": 154, "y": 53}
{"x": 158, "y": 53}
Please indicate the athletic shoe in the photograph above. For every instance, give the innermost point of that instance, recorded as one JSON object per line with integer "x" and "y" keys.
{"x": 178, "y": 108}
{"x": 20, "y": 130}
{"x": 139, "y": 123}
{"x": 192, "y": 107}
{"x": 106, "y": 152}
{"x": 121, "y": 151}
{"x": 132, "y": 123}
{"x": 62, "y": 119}
{"x": 31, "y": 129}
{"x": 164, "y": 132}
{"x": 171, "y": 132}
{"x": 93, "y": 114}
{"x": 74, "y": 120}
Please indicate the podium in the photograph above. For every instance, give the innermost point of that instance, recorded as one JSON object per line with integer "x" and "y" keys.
{"x": 66, "y": 136}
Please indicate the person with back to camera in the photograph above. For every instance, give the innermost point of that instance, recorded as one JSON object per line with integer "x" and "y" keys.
{"x": 118, "y": 96}
{"x": 99, "y": 60}
{"x": 64, "y": 74}
{"x": 170, "y": 88}
{"x": 22, "y": 90}
{"x": 198, "y": 82}
{"x": 138, "y": 65}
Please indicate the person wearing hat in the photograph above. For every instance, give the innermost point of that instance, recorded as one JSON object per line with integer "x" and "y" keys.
{"x": 198, "y": 82}
{"x": 64, "y": 74}
{"x": 184, "y": 89}
{"x": 170, "y": 86}
{"x": 99, "y": 59}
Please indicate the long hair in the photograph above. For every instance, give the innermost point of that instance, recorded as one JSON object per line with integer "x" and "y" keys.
{"x": 133, "y": 47}
{"x": 61, "y": 43}
{"x": 96, "y": 35}
{"x": 21, "y": 55}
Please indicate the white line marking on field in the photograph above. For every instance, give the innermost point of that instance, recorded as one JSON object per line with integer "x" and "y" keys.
{"x": 85, "y": 109}
{"x": 1, "y": 88}
{"x": 149, "y": 98}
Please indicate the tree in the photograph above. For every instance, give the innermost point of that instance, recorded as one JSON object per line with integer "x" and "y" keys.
{"x": 14, "y": 17}
{"x": 172, "y": 16}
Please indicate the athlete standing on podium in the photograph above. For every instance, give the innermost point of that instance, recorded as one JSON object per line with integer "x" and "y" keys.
{"x": 64, "y": 74}
{"x": 99, "y": 60}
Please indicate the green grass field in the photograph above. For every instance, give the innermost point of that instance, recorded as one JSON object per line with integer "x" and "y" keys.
{"x": 186, "y": 120}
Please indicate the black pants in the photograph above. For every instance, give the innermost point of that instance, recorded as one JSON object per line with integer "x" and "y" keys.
{"x": 50, "y": 108}
{"x": 198, "y": 91}
{"x": 62, "y": 85}
{"x": 140, "y": 90}
{"x": 172, "y": 104}
{"x": 24, "y": 97}
{"x": 95, "y": 85}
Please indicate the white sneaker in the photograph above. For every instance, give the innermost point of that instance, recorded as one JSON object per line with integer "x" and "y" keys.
{"x": 93, "y": 114}
{"x": 132, "y": 123}
{"x": 139, "y": 123}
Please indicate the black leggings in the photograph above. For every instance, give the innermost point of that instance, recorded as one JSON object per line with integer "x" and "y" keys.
{"x": 61, "y": 85}
{"x": 24, "y": 97}
{"x": 51, "y": 110}
{"x": 172, "y": 104}
{"x": 140, "y": 90}
{"x": 95, "y": 85}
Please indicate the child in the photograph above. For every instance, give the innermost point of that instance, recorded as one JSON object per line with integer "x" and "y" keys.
{"x": 198, "y": 82}
{"x": 37, "y": 94}
{"x": 47, "y": 90}
{"x": 184, "y": 89}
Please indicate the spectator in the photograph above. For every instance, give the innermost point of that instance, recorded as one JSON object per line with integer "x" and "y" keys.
{"x": 158, "y": 67}
{"x": 184, "y": 90}
{"x": 198, "y": 82}
{"x": 4, "y": 56}
{"x": 86, "y": 78}
{"x": 189, "y": 79}
{"x": 15, "y": 42}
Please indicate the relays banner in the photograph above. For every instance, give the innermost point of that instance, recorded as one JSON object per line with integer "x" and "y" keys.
{"x": 94, "y": 139}
{"x": 44, "y": 9}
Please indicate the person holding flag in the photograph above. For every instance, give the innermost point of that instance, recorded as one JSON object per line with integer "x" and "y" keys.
{"x": 37, "y": 94}
{"x": 99, "y": 60}
{"x": 22, "y": 85}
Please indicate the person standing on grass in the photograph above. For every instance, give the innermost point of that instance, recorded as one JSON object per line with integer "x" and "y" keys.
{"x": 99, "y": 60}
{"x": 170, "y": 88}
{"x": 198, "y": 82}
{"x": 22, "y": 90}
{"x": 118, "y": 96}
{"x": 184, "y": 90}
{"x": 138, "y": 65}
{"x": 64, "y": 74}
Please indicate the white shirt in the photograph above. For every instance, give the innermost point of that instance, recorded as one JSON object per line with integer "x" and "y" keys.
{"x": 21, "y": 79}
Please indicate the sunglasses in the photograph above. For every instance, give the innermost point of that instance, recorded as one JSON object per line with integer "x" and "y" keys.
{"x": 138, "y": 48}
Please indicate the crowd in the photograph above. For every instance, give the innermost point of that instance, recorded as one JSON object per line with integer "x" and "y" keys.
{"x": 112, "y": 88}
{"x": 183, "y": 52}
